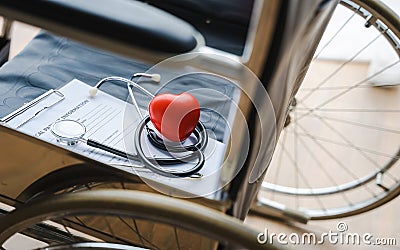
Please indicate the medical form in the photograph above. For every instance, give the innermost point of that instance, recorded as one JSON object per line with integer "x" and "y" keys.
{"x": 112, "y": 122}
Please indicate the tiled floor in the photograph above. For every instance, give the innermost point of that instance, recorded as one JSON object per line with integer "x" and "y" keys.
{"x": 381, "y": 222}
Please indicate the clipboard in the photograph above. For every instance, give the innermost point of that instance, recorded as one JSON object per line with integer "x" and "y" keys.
{"x": 111, "y": 121}
{"x": 32, "y": 104}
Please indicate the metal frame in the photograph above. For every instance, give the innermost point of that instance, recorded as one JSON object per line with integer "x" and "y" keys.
{"x": 157, "y": 208}
{"x": 302, "y": 18}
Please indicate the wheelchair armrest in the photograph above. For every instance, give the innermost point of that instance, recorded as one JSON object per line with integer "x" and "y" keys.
{"x": 130, "y": 22}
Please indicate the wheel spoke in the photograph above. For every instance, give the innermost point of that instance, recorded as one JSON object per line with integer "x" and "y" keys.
{"x": 374, "y": 163}
{"x": 300, "y": 174}
{"x": 326, "y": 79}
{"x": 333, "y": 157}
{"x": 322, "y": 167}
{"x": 393, "y": 131}
{"x": 347, "y": 90}
{"x": 282, "y": 145}
{"x": 311, "y": 110}
{"x": 340, "y": 163}
{"x": 334, "y": 36}
{"x": 333, "y": 88}
{"x": 296, "y": 160}
{"x": 176, "y": 238}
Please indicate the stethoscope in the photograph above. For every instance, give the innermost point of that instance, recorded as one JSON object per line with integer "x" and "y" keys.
{"x": 70, "y": 132}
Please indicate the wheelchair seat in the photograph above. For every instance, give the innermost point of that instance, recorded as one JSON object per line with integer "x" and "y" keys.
{"x": 50, "y": 61}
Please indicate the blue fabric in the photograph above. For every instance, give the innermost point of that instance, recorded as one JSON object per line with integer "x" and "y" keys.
{"x": 49, "y": 62}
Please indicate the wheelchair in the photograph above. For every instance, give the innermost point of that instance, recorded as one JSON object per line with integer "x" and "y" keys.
{"x": 275, "y": 40}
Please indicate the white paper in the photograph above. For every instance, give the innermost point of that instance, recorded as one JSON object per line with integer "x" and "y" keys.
{"x": 113, "y": 122}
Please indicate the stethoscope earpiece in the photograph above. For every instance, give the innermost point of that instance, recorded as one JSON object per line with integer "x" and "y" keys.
{"x": 156, "y": 77}
{"x": 93, "y": 91}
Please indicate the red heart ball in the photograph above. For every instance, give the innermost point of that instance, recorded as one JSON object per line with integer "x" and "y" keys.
{"x": 174, "y": 116}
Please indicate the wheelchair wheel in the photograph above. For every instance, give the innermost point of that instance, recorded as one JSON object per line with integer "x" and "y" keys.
{"x": 143, "y": 220}
{"x": 338, "y": 153}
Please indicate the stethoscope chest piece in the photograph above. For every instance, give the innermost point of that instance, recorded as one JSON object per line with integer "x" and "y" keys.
{"x": 68, "y": 132}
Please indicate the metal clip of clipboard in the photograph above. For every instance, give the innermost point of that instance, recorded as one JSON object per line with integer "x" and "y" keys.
{"x": 31, "y": 104}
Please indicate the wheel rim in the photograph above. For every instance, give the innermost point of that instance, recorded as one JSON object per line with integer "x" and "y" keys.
{"x": 335, "y": 188}
{"x": 174, "y": 224}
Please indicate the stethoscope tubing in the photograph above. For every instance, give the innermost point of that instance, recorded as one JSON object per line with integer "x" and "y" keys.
{"x": 200, "y": 133}
{"x": 160, "y": 161}
{"x": 152, "y": 164}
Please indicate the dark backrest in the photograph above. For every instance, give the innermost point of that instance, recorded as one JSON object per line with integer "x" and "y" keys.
{"x": 223, "y": 23}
